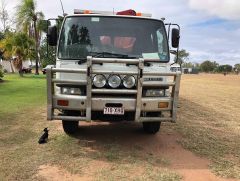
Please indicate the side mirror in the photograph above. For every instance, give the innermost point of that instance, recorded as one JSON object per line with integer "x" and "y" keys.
{"x": 52, "y": 36}
{"x": 175, "y": 37}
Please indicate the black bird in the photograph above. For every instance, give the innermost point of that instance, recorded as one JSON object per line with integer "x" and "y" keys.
{"x": 44, "y": 137}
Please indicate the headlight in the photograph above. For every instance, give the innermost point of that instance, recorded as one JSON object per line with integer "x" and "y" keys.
{"x": 129, "y": 82}
{"x": 99, "y": 81}
{"x": 114, "y": 81}
{"x": 71, "y": 91}
{"x": 154, "y": 93}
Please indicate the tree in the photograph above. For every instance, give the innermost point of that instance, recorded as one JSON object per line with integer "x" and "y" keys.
{"x": 215, "y": 64}
{"x": 225, "y": 68}
{"x": 6, "y": 45}
{"x": 1, "y": 73}
{"x": 2, "y": 35}
{"x": 197, "y": 66}
{"x": 208, "y": 66}
{"x": 27, "y": 17}
{"x": 237, "y": 67}
{"x": 19, "y": 45}
{"x": 182, "y": 56}
{"x": 59, "y": 22}
{"x": 49, "y": 59}
{"x": 4, "y": 15}
{"x": 2, "y": 49}
{"x": 228, "y": 68}
{"x": 188, "y": 65}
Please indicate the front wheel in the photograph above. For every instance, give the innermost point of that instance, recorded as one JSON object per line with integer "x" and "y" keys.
{"x": 151, "y": 127}
{"x": 70, "y": 127}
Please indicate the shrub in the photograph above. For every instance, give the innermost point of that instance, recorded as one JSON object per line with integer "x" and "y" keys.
{"x": 1, "y": 72}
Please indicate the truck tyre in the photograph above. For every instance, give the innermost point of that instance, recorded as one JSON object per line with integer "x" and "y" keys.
{"x": 70, "y": 127}
{"x": 151, "y": 127}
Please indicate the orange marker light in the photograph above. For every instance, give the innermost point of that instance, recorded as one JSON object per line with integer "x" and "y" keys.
{"x": 138, "y": 14}
{"x": 62, "y": 102}
{"x": 163, "y": 105}
{"x": 87, "y": 12}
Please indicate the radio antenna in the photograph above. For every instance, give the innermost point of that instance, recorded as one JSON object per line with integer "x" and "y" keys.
{"x": 62, "y": 7}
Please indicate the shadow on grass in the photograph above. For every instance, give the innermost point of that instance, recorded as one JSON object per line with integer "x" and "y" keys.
{"x": 124, "y": 134}
{"x": 121, "y": 146}
{"x": 3, "y": 81}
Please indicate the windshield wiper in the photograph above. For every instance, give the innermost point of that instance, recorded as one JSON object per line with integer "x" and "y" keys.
{"x": 109, "y": 55}
{"x": 105, "y": 55}
{"x": 81, "y": 61}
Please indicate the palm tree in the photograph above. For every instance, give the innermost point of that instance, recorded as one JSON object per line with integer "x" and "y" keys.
{"x": 28, "y": 19}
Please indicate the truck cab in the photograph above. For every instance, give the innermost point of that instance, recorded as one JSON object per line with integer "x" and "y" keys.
{"x": 112, "y": 67}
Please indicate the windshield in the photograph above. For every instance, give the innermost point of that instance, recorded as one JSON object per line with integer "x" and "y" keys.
{"x": 113, "y": 37}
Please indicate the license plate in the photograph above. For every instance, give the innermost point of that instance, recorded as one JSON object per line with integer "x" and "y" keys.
{"x": 113, "y": 110}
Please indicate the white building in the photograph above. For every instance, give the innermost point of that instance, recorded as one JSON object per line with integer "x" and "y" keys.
{"x": 175, "y": 68}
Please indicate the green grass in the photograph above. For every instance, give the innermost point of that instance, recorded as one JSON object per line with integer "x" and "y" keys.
{"x": 127, "y": 172}
{"x": 17, "y": 93}
{"x": 20, "y": 97}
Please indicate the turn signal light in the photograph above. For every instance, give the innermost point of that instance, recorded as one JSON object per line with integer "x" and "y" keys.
{"x": 138, "y": 14}
{"x": 86, "y": 12}
{"x": 62, "y": 102}
{"x": 163, "y": 105}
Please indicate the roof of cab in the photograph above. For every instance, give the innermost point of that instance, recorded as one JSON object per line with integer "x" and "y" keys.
{"x": 118, "y": 16}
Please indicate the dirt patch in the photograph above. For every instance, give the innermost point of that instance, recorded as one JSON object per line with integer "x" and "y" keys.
{"x": 54, "y": 173}
{"x": 200, "y": 175}
{"x": 162, "y": 145}
{"x": 190, "y": 166}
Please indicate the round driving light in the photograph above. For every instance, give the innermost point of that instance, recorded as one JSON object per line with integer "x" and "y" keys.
{"x": 65, "y": 90}
{"x": 72, "y": 91}
{"x": 129, "y": 82}
{"x": 99, "y": 81}
{"x": 114, "y": 81}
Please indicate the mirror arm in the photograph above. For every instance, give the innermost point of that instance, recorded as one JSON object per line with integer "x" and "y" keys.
{"x": 177, "y": 56}
{"x": 169, "y": 26}
{"x": 168, "y": 31}
{"x": 174, "y": 52}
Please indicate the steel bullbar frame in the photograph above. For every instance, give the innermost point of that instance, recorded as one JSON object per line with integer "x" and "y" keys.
{"x": 88, "y": 103}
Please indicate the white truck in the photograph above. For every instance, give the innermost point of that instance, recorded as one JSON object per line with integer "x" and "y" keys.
{"x": 112, "y": 67}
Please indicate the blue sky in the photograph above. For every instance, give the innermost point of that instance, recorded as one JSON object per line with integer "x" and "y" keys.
{"x": 210, "y": 28}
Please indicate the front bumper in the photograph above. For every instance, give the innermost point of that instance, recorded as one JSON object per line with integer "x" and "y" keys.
{"x": 90, "y": 104}
{"x": 78, "y": 103}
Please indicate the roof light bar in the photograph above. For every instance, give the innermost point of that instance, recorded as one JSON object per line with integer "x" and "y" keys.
{"x": 80, "y": 11}
{"x": 129, "y": 12}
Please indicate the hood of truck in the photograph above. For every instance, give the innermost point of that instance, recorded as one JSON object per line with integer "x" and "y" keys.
{"x": 154, "y": 67}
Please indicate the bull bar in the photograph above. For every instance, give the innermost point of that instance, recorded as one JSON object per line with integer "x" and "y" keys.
{"x": 88, "y": 103}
